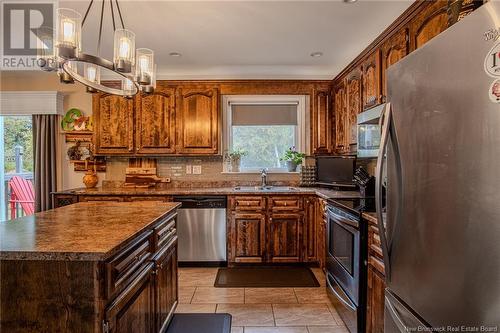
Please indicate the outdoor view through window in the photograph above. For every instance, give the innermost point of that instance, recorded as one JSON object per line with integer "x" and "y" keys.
{"x": 16, "y": 149}
{"x": 263, "y": 132}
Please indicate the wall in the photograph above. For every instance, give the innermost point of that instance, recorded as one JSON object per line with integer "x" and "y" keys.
{"x": 75, "y": 97}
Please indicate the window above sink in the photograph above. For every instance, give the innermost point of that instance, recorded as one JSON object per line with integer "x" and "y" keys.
{"x": 264, "y": 126}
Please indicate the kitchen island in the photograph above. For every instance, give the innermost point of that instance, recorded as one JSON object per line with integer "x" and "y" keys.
{"x": 90, "y": 267}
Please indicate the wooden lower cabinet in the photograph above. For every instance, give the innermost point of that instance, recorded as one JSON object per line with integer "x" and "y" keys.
{"x": 133, "y": 310}
{"x": 247, "y": 238}
{"x": 321, "y": 233}
{"x": 284, "y": 235}
{"x": 375, "y": 301}
{"x": 310, "y": 230}
{"x": 166, "y": 286}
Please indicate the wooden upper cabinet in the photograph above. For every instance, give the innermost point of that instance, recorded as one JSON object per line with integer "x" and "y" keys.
{"x": 353, "y": 88}
{"x": 394, "y": 49}
{"x": 155, "y": 122}
{"x": 197, "y": 119}
{"x": 372, "y": 92}
{"x": 340, "y": 116}
{"x": 321, "y": 122}
{"x": 114, "y": 124}
{"x": 428, "y": 23}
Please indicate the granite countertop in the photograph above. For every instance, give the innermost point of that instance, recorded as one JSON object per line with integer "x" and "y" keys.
{"x": 245, "y": 190}
{"x": 83, "y": 231}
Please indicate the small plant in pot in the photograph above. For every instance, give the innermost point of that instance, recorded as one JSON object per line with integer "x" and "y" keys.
{"x": 235, "y": 157}
{"x": 293, "y": 158}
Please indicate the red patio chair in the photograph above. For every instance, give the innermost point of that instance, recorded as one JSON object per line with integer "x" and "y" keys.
{"x": 22, "y": 192}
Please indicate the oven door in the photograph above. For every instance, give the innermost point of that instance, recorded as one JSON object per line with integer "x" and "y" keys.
{"x": 343, "y": 251}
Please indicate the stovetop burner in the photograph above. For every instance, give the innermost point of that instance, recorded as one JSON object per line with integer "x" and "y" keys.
{"x": 355, "y": 205}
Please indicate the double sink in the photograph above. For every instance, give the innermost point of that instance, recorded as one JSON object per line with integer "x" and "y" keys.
{"x": 266, "y": 188}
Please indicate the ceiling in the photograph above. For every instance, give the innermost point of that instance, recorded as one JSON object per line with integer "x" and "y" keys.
{"x": 246, "y": 39}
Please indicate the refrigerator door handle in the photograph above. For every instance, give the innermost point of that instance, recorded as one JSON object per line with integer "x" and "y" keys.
{"x": 386, "y": 116}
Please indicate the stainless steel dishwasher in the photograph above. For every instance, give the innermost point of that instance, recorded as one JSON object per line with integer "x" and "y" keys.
{"x": 201, "y": 228}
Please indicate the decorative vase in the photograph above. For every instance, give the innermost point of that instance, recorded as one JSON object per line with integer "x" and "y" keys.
{"x": 235, "y": 165}
{"x": 291, "y": 166}
{"x": 90, "y": 179}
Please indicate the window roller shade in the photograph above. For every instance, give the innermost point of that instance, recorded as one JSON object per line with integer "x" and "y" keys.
{"x": 264, "y": 114}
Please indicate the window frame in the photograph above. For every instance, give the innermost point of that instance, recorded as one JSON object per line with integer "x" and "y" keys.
{"x": 300, "y": 130}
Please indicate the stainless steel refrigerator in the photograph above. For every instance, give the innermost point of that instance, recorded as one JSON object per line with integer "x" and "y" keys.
{"x": 441, "y": 142}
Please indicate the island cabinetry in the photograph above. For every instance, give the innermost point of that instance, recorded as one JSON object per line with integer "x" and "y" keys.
{"x": 110, "y": 274}
{"x": 268, "y": 229}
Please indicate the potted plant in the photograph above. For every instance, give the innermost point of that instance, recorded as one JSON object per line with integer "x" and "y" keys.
{"x": 235, "y": 157}
{"x": 292, "y": 158}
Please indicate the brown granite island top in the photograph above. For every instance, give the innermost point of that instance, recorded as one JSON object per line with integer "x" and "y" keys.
{"x": 83, "y": 231}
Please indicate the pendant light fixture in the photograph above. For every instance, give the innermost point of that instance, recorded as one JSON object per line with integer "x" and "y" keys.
{"x": 135, "y": 72}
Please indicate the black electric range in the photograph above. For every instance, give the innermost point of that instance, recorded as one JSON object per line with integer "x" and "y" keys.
{"x": 354, "y": 205}
{"x": 346, "y": 257}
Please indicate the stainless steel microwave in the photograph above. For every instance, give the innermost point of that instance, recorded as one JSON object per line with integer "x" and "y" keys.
{"x": 369, "y": 131}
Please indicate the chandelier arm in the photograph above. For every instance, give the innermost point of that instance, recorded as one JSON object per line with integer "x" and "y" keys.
{"x": 119, "y": 13}
{"x": 112, "y": 14}
{"x": 87, "y": 12}
{"x": 100, "y": 30}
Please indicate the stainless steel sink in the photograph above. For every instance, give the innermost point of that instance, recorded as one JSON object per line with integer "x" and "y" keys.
{"x": 265, "y": 188}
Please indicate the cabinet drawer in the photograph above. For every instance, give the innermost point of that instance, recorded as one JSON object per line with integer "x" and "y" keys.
{"x": 165, "y": 231}
{"x": 285, "y": 203}
{"x": 249, "y": 203}
{"x": 147, "y": 198}
{"x": 123, "y": 267}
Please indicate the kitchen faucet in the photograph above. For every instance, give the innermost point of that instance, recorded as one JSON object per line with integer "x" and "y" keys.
{"x": 263, "y": 176}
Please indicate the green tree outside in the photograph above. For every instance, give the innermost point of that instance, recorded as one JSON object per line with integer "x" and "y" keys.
{"x": 18, "y": 130}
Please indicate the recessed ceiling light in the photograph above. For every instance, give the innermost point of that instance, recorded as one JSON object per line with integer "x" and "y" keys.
{"x": 350, "y": 1}
{"x": 175, "y": 54}
{"x": 316, "y": 54}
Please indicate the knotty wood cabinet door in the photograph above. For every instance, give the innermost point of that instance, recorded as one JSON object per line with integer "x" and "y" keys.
{"x": 155, "y": 122}
{"x": 321, "y": 124}
{"x": 133, "y": 310}
{"x": 353, "y": 88}
{"x": 166, "y": 286}
{"x": 310, "y": 230}
{"x": 375, "y": 301}
{"x": 340, "y": 117}
{"x": 321, "y": 232}
{"x": 393, "y": 49}
{"x": 428, "y": 23}
{"x": 113, "y": 124}
{"x": 285, "y": 237}
{"x": 372, "y": 92}
{"x": 247, "y": 238}
{"x": 197, "y": 121}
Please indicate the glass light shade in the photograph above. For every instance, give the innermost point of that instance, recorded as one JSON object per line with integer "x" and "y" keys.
{"x": 128, "y": 87}
{"x": 69, "y": 31}
{"x": 150, "y": 88}
{"x": 92, "y": 73}
{"x": 64, "y": 77}
{"x": 124, "y": 50}
{"x": 46, "y": 57}
{"x": 144, "y": 66}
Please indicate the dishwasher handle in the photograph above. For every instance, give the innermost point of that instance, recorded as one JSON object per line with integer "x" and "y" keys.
{"x": 194, "y": 202}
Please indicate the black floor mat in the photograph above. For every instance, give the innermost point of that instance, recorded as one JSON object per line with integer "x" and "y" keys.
{"x": 265, "y": 277}
{"x": 200, "y": 323}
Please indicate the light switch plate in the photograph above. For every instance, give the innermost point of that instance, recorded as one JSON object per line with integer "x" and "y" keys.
{"x": 189, "y": 169}
{"x": 197, "y": 169}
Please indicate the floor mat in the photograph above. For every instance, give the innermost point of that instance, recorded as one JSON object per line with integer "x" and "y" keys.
{"x": 200, "y": 323}
{"x": 265, "y": 277}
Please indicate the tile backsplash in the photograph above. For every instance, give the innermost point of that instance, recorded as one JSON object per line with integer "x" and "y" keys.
{"x": 182, "y": 172}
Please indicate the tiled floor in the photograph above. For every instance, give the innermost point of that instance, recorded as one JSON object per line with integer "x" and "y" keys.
{"x": 260, "y": 310}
